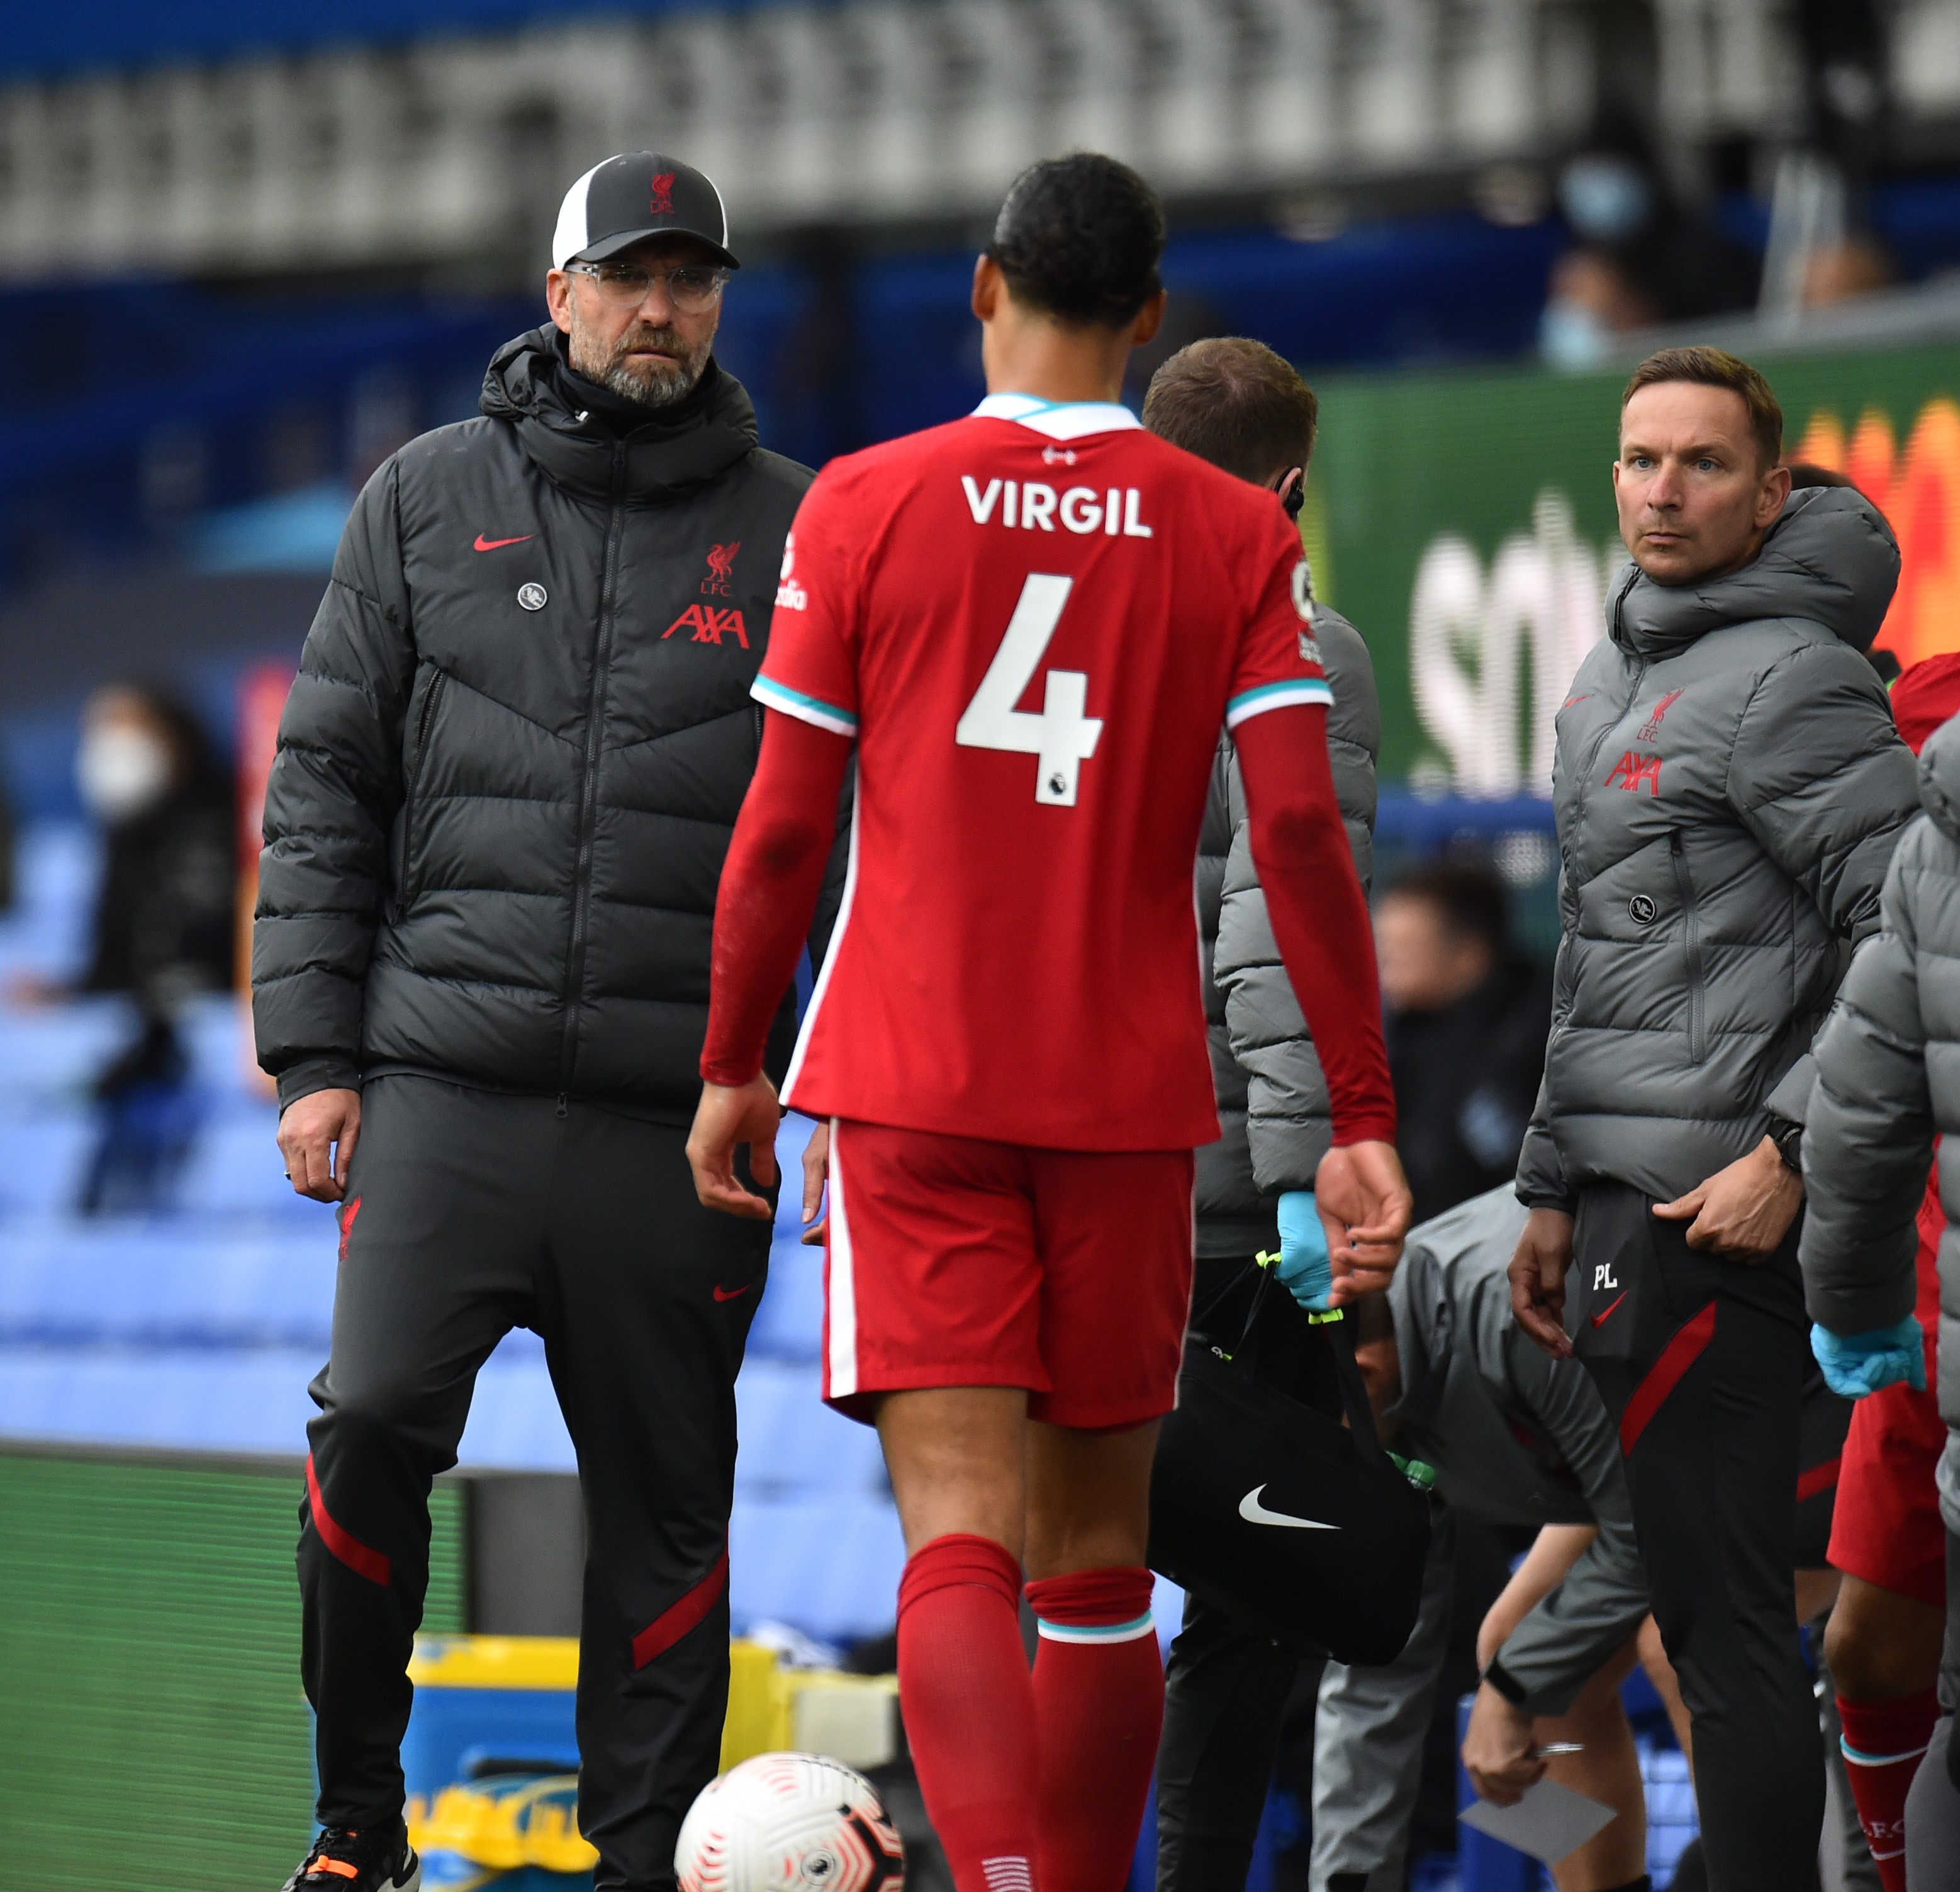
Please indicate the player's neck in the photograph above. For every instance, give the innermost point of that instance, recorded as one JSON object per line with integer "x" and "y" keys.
{"x": 1053, "y": 362}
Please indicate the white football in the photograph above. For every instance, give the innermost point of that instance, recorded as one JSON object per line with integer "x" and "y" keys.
{"x": 789, "y": 1822}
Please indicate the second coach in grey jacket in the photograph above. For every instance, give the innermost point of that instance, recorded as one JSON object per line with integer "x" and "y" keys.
{"x": 1729, "y": 788}
{"x": 1272, "y": 1098}
{"x": 1236, "y": 404}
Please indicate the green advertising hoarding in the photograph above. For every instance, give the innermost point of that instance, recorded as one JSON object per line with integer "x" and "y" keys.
{"x": 1464, "y": 521}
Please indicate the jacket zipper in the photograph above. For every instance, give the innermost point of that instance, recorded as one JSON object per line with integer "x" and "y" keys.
{"x": 423, "y": 723}
{"x": 1691, "y": 933}
{"x": 1599, "y": 742}
{"x": 582, "y": 889}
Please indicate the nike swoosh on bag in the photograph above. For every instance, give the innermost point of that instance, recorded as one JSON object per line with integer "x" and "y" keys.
{"x": 1599, "y": 1319}
{"x": 491, "y": 545}
{"x": 1253, "y": 1512}
{"x": 730, "y": 1294}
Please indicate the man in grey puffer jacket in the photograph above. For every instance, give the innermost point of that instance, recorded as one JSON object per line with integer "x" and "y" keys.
{"x": 1238, "y": 405}
{"x": 1889, "y": 1083}
{"x": 1729, "y": 788}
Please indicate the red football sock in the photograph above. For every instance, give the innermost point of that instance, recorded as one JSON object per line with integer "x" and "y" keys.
{"x": 1098, "y": 1704}
{"x": 969, "y": 1704}
{"x": 1883, "y": 1744}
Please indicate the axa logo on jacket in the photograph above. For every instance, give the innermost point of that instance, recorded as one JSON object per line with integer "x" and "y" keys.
{"x": 1634, "y": 772}
{"x": 711, "y": 623}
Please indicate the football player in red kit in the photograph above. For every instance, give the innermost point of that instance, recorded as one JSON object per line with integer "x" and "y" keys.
{"x": 1032, "y": 624}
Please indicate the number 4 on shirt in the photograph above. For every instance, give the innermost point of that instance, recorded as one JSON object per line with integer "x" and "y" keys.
{"x": 1061, "y": 737}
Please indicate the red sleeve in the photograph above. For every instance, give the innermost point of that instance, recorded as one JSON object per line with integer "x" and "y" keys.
{"x": 811, "y": 668}
{"x": 1319, "y": 917}
{"x": 1277, "y": 664}
{"x": 769, "y": 888}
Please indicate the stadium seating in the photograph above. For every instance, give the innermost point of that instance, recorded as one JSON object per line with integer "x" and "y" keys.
{"x": 198, "y": 1330}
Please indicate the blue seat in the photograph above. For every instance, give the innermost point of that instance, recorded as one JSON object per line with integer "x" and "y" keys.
{"x": 514, "y": 1422}
{"x": 166, "y": 1284}
{"x": 793, "y": 1446}
{"x": 45, "y": 1155}
{"x": 178, "y": 1399}
{"x": 831, "y": 1568}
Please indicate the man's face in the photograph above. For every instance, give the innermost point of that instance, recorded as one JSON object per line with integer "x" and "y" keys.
{"x": 1425, "y": 965}
{"x": 649, "y": 352}
{"x": 1693, "y": 494}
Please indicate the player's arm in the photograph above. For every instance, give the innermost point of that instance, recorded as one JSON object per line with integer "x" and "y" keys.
{"x": 768, "y": 895}
{"x": 1320, "y": 922}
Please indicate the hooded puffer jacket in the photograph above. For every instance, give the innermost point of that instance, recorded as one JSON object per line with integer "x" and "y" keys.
{"x": 1729, "y": 787}
{"x": 512, "y": 760}
{"x": 1272, "y": 1099}
{"x": 1888, "y": 1079}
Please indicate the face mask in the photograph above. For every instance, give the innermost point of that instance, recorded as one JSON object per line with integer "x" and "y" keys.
{"x": 1570, "y": 336}
{"x": 1604, "y": 198}
{"x": 121, "y": 772}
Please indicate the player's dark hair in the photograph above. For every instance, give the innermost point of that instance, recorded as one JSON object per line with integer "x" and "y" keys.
{"x": 1233, "y": 402}
{"x": 1717, "y": 367}
{"x": 1080, "y": 239}
{"x": 1470, "y": 901}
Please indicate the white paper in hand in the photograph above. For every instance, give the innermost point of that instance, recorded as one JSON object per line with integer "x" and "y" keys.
{"x": 1548, "y": 1822}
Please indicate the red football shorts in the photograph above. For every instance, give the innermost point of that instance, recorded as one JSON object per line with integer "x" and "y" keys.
{"x": 951, "y": 1261}
{"x": 1887, "y": 1529}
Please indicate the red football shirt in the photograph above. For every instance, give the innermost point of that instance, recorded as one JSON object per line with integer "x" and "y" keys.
{"x": 1034, "y": 621}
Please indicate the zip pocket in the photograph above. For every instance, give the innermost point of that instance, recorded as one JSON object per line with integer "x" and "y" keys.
{"x": 423, "y": 722}
{"x": 1691, "y": 936}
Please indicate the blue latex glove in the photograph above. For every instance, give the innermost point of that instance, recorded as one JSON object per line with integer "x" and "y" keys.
{"x": 1305, "y": 1267}
{"x": 1856, "y": 1364}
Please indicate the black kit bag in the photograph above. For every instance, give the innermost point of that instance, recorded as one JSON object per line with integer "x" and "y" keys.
{"x": 1276, "y": 1513}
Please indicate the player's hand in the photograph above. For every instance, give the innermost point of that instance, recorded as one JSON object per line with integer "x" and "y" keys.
{"x": 1365, "y": 1203}
{"x": 1498, "y": 1754}
{"x": 1538, "y": 1279}
{"x": 1743, "y": 1211}
{"x": 816, "y": 1173}
{"x": 316, "y": 1137}
{"x": 727, "y": 1118}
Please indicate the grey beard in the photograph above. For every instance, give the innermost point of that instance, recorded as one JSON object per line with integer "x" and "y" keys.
{"x": 662, "y": 390}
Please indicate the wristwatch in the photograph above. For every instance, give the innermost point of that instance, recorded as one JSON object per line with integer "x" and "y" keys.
{"x": 1788, "y": 1138}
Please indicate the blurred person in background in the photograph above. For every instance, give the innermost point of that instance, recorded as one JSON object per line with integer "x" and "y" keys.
{"x": 506, "y": 777}
{"x": 1235, "y": 402}
{"x": 1639, "y": 256}
{"x": 164, "y": 928}
{"x": 1729, "y": 788}
{"x": 1466, "y": 1019}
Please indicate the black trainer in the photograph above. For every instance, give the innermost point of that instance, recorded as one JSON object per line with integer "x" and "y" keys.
{"x": 372, "y": 1859}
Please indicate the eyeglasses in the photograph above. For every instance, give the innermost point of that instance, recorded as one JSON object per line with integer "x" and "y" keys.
{"x": 692, "y": 287}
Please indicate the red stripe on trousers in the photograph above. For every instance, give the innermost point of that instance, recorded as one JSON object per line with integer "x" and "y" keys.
{"x": 666, "y": 1628}
{"x": 1818, "y": 1478}
{"x": 358, "y": 1557}
{"x": 1679, "y": 1354}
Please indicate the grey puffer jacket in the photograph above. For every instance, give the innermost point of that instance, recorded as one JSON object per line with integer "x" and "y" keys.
{"x": 1889, "y": 1080}
{"x": 1729, "y": 788}
{"x": 1272, "y": 1099}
